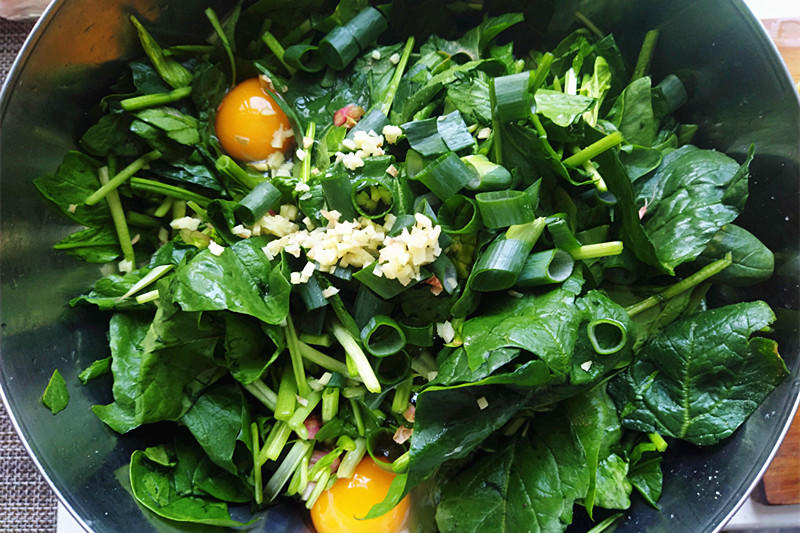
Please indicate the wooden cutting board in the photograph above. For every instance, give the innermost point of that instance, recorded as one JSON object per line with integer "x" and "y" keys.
{"x": 781, "y": 482}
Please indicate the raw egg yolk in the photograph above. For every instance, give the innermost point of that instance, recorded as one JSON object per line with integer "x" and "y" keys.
{"x": 250, "y": 125}
{"x": 338, "y": 510}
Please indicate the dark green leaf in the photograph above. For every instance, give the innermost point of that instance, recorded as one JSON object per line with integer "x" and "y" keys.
{"x": 93, "y": 245}
{"x": 73, "y": 182}
{"x": 561, "y": 108}
{"x": 56, "y": 395}
{"x": 98, "y": 368}
{"x": 178, "y": 126}
{"x": 633, "y": 113}
{"x": 752, "y": 261}
{"x": 702, "y": 376}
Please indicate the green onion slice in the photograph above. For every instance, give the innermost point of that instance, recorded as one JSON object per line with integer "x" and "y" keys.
{"x": 344, "y": 43}
{"x": 418, "y": 335}
{"x": 459, "y": 214}
{"x": 338, "y": 192}
{"x": 394, "y": 368}
{"x": 607, "y": 336}
{"x": 486, "y": 176}
{"x": 501, "y": 209}
{"x": 545, "y": 268}
{"x": 500, "y": 264}
{"x": 445, "y": 176}
{"x": 435, "y": 136}
{"x": 264, "y": 198}
{"x": 382, "y": 336}
{"x": 372, "y": 198}
{"x": 513, "y": 99}
{"x": 303, "y": 57}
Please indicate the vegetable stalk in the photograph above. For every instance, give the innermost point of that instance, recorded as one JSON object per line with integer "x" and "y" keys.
{"x": 170, "y": 191}
{"x": 118, "y": 217}
{"x": 286, "y": 469}
{"x": 262, "y": 393}
{"x": 257, "y": 482}
{"x": 151, "y": 100}
{"x": 212, "y": 18}
{"x": 684, "y": 285}
{"x": 388, "y": 100}
{"x": 122, "y": 176}
{"x": 593, "y": 150}
{"x": 293, "y": 344}
{"x": 354, "y": 351}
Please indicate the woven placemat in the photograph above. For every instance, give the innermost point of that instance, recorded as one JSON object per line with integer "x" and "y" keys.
{"x": 27, "y": 505}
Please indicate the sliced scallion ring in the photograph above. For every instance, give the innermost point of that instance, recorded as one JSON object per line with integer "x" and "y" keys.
{"x": 258, "y": 202}
{"x": 394, "y": 368}
{"x": 607, "y": 336}
{"x": 459, "y": 214}
{"x": 382, "y": 336}
{"x": 544, "y": 268}
{"x": 501, "y": 209}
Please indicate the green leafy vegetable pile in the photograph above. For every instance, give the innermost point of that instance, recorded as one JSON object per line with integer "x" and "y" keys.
{"x": 556, "y": 336}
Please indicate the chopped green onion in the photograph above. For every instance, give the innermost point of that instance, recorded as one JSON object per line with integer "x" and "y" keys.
{"x": 338, "y": 191}
{"x": 397, "y": 77}
{"x": 287, "y": 393}
{"x": 343, "y": 43}
{"x": 606, "y": 335}
{"x": 164, "y": 208}
{"x": 303, "y": 56}
{"x": 122, "y": 176}
{"x": 325, "y": 361}
{"x": 594, "y": 251}
{"x": 544, "y": 268}
{"x": 684, "y": 285}
{"x": 486, "y": 176}
{"x": 459, "y": 214}
{"x": 353, "y": 350}
{"x": 275, "y": 442}
{"x": 368, "y": 304}
{"x": 322, "y": 339}
{"x": 499, "y": 266}
{"x": 262, "y": 199}
{"x": 382, "y": 286}
{"x": 330, "y": 404}
{"x": 147, "y": 297}
{"x": 445, "y": 176}
{"x": 311, "y": 293}
{"x": 382, "y": 336}
{"x": 371, "y": 198}
{"x": 438, "y": 135}
{"x": 322, "y": 484}
{"x": 542, "y": 70}
{"x": 142, "y": 220}
{"x": 501, "y": 209}
{"x": 297, "y": 422}
{"x": 562, "y": 235}
{"x": 151, "y": 100}
{"x": 286, "y": 469}
{"x": 351, "y": 460}
{"x": 278, "y": 51}
{"x": 513, "y": 97}
{"x": 418, "y": 335}
{"x": 300, "y": 478}
{"x": 393, "y": 368}
{"x": 400, "y": 465}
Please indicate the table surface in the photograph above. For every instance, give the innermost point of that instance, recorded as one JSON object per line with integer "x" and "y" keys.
{"x": 28, "y": 504}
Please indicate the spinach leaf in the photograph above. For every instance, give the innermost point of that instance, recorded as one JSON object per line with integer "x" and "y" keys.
{"x": 633, "y": 113}
{"x": 74, "y": 180}
{"x": 646, "y": 477}
{"x": 544, "y": 325}
{"x": 159, "y": 365}
{"x": 111, "y": 136}
{"x": 155, "y": 487}
{"x": 702, "y": 376}
{"x": 471, "y": 98}
{"x": 530, "y": 154}
{"x": 528, "y": 485}
{"x": 690, "y": 197}
{"x": 613, "y": 488}
{"x": 93, "y": 245}
{"x": 639, "y": 160}
{"x": 561, "y": 108}
{"x": 146, "y": 79}
{"x": 248, "y": 351}
{"x": 218, "y": 420}
{"x": 186, "y": 172}
{"x": 379, "y": 71}
{"x": 178, "y": 126}
{"x": 107, "y": 291}
{"x": 318, "y": 101}
{"x": 56, "y": 395}
{"x": 475, "y": 42}
{"x": 241, "y": 280}
{"x": 752, "y": 261}
{"x": 98, "y": 368}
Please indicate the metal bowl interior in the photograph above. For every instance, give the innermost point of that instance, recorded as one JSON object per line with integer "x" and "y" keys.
{"x": 741, "y": 95}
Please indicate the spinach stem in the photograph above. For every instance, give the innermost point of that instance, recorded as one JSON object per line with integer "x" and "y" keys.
{"x": 147, "y": 297}
{"x": 330, "y": 404}
{"x": 212, "y": 17}
{"x": 297, "y": 422}
{"x": 164, "y": 207}
{"x": 391, "y": 92}
{"x": 170, "y": 191}
{"x": 278, "y": 50}
{"x": 275, "y": 442}
{"x": 400, "y": 464}
{"x": 497, "y": 138}
{"x": 593, "y": 150}
{"x": 233, "y": 171}
{"x": 262, "y": 393}
{"x": 151, "y": 100}
{"x": 293, "y": 344}
{"x": 589, "y": 24}
{"x": 594, "y": 251}
{"x": 118, "y": 217}
{"x": 121, "y": 177}
{"x": 351, "y": 459}
{"x": 542, "y": 70}
{"x": 318, "y": 358}
{"x": 141, "y": 220}
{"x": 257, "y": 482}
{"x": 357, "y": 418}
{"x": 401, "y": 396}
{"x": 605, "y": 524}
{"x": 287, "y": 467}
{"x": 645, "y": 54}
{"x": 287, "y": 394}
{"x": 689, "y": 283}
{"x": 148, "y": 279}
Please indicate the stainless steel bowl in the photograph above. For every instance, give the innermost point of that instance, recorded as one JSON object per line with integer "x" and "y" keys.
{"x": 742, "y": 94}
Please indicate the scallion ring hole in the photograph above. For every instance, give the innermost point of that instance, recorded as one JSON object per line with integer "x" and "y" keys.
{"x": 459, "y": 215}
{"x": 383, "y": 449}
{"x": 382, "y": 336}
{"x": 560, "y": 267}
{"x": 608, "y": 336}
{"x": 394, "y": 368}
{"x": 372, "y": 199}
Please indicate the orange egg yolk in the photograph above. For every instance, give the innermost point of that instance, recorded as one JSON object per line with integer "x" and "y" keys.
{"x": 338, "y": 510}
{"x": 250, "y": 125}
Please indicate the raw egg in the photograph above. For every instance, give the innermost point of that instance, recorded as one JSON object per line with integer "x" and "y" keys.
{"x": 250, "y": 125}
{"x": 338, "y": 510}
